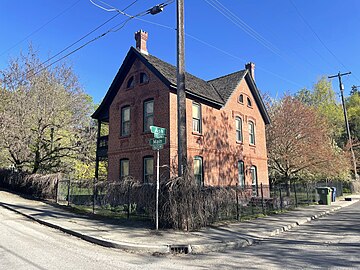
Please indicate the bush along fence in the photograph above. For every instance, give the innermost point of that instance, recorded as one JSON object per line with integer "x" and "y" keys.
{"x": 183, "y": 204}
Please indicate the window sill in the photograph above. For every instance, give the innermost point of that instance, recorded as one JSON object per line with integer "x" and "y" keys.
{"x": 239, "y": 142}
{"x": 252, "y": 145}
{"x": 197, "y": 134}
{"x": 143, "y": 83}
{"x": 124, "y": 136}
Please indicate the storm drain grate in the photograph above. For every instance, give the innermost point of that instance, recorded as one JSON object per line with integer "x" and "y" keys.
{"x": 180, "y": 249}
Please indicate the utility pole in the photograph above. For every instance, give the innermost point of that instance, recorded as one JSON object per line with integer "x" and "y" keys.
{"x": 339, "y": 75}
{"x": 181, "y": 96}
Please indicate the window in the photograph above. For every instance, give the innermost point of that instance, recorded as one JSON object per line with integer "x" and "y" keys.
{"x": 198, "y": 170}
{"x": 249, "y": 102}
{"x": 241, "y": 98}
{"x": 125, "y": 121}
{"x": 148, "y": 169}
{"x": 241, "y": 174}
{"x": 251, "y": 132}
{"x": 144, "y": 77}
{"x": 130, "y": 82}
{"x": 124, "y": 167}
{"x": 148, "y": 115}
{"x": 254, "y": 182}
{"x": 196, "y": 115}
{"x": 238, "y": 127}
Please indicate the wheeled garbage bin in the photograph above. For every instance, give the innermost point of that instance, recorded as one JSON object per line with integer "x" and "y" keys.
{"x": 325, "y": 195}
{"x": 333, "y": 194}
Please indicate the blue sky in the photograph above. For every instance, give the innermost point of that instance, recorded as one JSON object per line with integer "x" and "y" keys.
{"x": 292, "y": 42}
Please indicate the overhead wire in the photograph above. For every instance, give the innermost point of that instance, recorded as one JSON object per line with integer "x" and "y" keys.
{"x": 112, "y": 29}
{"x": 318, "y": 37}
{"x": 40, "y": 28}
{"x": 227, "y": 13}
{"x": 220, "y": 50}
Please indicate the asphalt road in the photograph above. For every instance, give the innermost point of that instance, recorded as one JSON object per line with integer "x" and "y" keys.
{"x": 332, "y": 242}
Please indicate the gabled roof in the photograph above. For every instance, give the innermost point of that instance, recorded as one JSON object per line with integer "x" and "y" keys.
{"x": 226, "y": 85}
{"x": 215, "y": 92}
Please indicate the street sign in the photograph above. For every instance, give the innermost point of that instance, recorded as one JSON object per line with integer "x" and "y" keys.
{"x": 159, "y": 132}
{"x": 157, "y": 141}
{"x": 158, "y": 146}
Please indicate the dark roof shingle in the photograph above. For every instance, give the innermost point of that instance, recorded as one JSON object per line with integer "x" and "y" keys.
{"x": 193, "y": 84}
{"x": 226, "y": 85}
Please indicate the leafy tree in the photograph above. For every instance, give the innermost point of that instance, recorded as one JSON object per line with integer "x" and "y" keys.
{"x": 323, "y": 98}
{"x": 44, "y": 116}
{"x": 298, "y": 142}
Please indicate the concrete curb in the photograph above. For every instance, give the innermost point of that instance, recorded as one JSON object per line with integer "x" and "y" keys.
{"x": 95, "y": 240}
{"x": 168, "y": 248}
{"x": 307, "y": 220}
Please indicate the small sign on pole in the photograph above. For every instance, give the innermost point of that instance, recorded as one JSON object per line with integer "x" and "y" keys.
{"x": 157, "y": 143}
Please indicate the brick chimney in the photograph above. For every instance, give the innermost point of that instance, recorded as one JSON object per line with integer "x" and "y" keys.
{"x": 141, "y": 38}
{"x": 251, "y": 68}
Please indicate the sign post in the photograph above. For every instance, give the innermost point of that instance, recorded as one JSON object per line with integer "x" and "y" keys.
{"x": 157, "y": 143}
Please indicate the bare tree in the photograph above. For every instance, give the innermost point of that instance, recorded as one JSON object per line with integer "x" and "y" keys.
{"x": 45, "y": 115}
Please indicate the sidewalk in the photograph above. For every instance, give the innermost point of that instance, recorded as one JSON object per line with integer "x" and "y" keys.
{"x": 117, "y": 234}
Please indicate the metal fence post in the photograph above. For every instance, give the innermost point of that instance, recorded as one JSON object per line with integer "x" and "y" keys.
{"x": 94, "y": 195}
{"x": 128, "y": 202}
{"x": 262, "y": 198}
{"x": 237, "y": 202}
{"x": 68, "y": 192}
{"x": 296, "y": 203}
{"x": 307, "y": 193}
{"x": 57, "y": 191}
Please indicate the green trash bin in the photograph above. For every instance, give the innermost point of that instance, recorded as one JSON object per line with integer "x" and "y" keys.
{"x": 325, "y": 195}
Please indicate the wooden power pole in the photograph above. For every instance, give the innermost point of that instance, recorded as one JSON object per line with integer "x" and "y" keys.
{"x": 181, "y": 96}
{"x": 339, "y": 75}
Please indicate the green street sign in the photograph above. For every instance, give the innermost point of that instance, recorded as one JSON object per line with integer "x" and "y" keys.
{"x": 159, "y": 132}
{"x": 157, "y": 146}
{"x": 157, "y": 141}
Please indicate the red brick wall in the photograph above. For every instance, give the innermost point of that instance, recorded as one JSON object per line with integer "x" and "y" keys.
{"x": 136, "y": 146}
{"x": 217, "y": 143}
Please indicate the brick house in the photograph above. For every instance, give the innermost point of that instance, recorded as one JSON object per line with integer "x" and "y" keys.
{"x": 226, "y": 121}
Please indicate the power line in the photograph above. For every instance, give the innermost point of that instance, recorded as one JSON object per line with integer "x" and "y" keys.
{"x": 41, "y": 27}
{"x": 318, "y": 37}
{"x": 220, "y": 50}
{"x": 250, "y": 31}
{"x": 80, "y": 39}
{"x": 113, "y": 29}
{"x": 241, "y": 24}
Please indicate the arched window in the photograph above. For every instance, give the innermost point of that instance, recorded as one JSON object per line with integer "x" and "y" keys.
{"x": 130, "y": 82}
{"x": 254, "y": 181}
{"x": 249, "y": 102}
{"x": 238, "y": 127}
{"x": 251, "y": 132}
{"x": 241, "y": 98}
{"x": 198, "y": 170}
{"x": 144, "y": 77}
{"x": 241, "y": 174}
{"x": 124, "y": 167}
